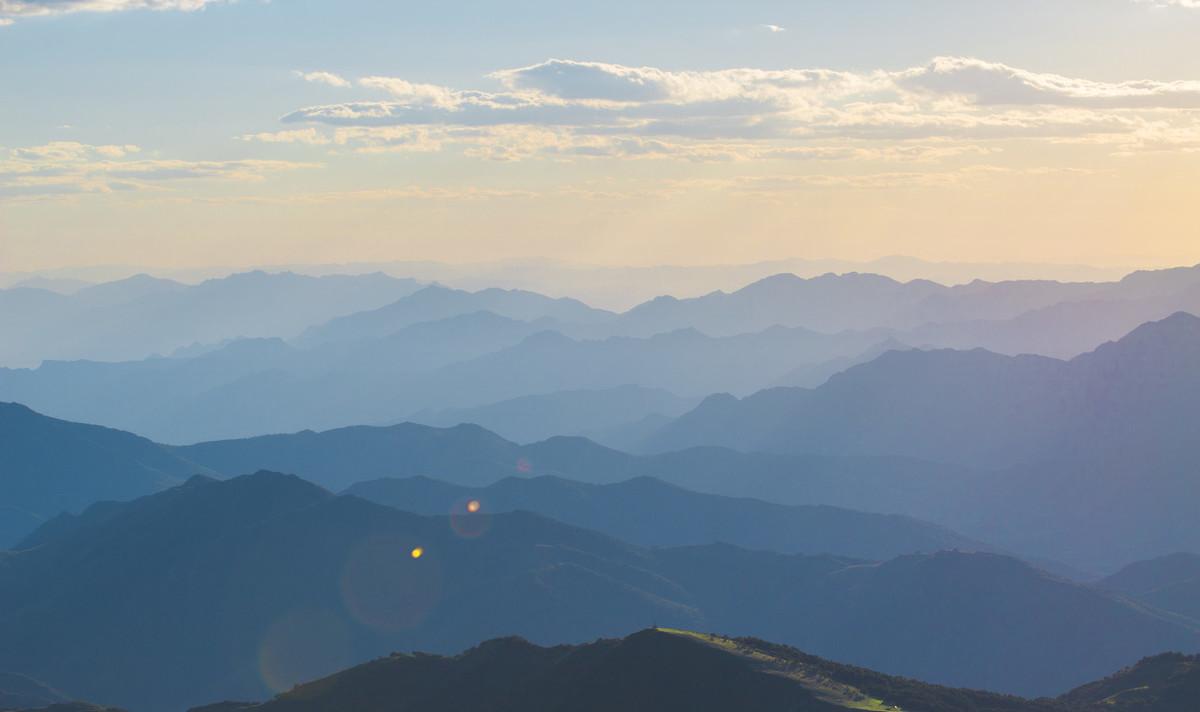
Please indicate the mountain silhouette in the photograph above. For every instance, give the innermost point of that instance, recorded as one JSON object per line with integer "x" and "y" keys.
{"x": 143, "y": 316}
{"x": 233, "y": 589}
{"x": 657, "y": 670}
{"x": 255, "y": 386}
{"x": 435, "y": 302}
{"x": 1092, "y": 455}
{"x": 50, "y": 466}
{"x": 1164, "y": 683}
{"x": 604, "y": 415}
{"x": 649, "y": 512}
{"x": 1170, "y": 583}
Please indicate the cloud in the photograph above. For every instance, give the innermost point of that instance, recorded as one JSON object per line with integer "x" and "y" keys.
{"x": 329, "y": 78}
{"x": 990, "y": 83}
{"x": 14, "y": 9}
{"x": 1191, "y": 4}
{"x": 309, "y": 136}
{"x": 561, "y": 108}
{"x": 774, "y": 29}
{"x": 67, "y": 168}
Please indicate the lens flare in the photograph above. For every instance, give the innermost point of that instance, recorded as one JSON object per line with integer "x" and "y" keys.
{"x": 390, "y": 584}
{"x": 300, "y": 646}
{"x": 468, "y": 519}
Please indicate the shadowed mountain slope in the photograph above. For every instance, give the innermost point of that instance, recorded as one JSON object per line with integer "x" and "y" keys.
{"x": 1164, "y": 683}
{"x": 50, "y": 466}
{"x": 657, "y": 670}
{"x": 1171, "y": 583}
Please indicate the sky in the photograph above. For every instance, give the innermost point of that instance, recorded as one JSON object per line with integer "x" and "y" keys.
{"x": 185, "y": 133}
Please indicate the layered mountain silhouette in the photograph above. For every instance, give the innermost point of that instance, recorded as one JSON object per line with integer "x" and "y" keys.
{"x": 470, "y": 455}
{"x": 974, "y": 407}
{"x": 50, "y": 466}
{"x": 1170, "y": 583}
{"x": 142, "y": 316}
{"x": 649, "y": 512}
{"x": 1099, "y": 449}
{"x": 1053, "y": 318}
{"x": 436, "y": 302}
{"x": 257, "y": 386}
{"x": 613, "y": 416}
{"x": 234, "y": 589}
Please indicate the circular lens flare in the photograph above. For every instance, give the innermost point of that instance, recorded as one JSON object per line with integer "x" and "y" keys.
{"x": 417, "y": 552}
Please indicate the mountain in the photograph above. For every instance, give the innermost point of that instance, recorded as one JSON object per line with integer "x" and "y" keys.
{"x": 1093, "y": 457}
{"x": 1170, "y": 583}
{"x": 51, "y": 466}
{"x": 649, "y": 512}
{"x": 1164, "y": 683}
{"x": 233, "y": 589}
{"x": 686, "y": 362}
{"x": 601, "y": 415}
{"x": 255, "y": 386}
{"x": 18, "y": 692}
{"x": 1012, "y": 317}
{"x": 435, "y": 302}
{"x": 472, "y": 456}
{"x": 656, "y": 670}
{"x": 829, "y": 303}
{"x": 143, "y": 316}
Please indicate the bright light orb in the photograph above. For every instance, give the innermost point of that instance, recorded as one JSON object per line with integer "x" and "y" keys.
{"x": 474, "y": 506}
{"x": 418, "y": 552}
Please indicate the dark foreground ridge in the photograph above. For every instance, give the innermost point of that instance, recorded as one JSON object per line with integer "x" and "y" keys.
{"x": 662, "y": 670}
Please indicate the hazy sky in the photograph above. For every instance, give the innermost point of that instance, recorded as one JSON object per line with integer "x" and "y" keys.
{"x": 179, "y": 133}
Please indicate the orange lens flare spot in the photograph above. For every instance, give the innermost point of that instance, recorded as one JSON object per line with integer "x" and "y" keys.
{"x": 474, "y": 506}
{"x": 418, "y": 552}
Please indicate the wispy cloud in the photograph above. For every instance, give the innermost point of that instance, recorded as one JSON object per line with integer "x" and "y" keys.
{"x": 71, "y": 168}
{"x": 15, "y": 9}
{"x": 1193, "y": 4}
{"x": 774, "y": 29}
{"x": 329, "y": 78}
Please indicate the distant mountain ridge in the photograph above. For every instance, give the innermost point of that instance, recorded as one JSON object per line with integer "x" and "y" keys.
{"x": 1112, "y": 431}
{"x": 468, "y": 360}
{"x": 649, "y": 512}
{"x": 143, "y": 316}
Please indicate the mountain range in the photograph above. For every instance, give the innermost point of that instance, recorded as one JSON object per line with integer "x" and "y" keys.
{"x": 1092, "y": 458}
{"x": 232, "y": 589}
{"x": 378, "y": 350}
{"x": 649, "y": 512}
{"x": 465, "y": 361}
{"x": 142, "y": 316}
